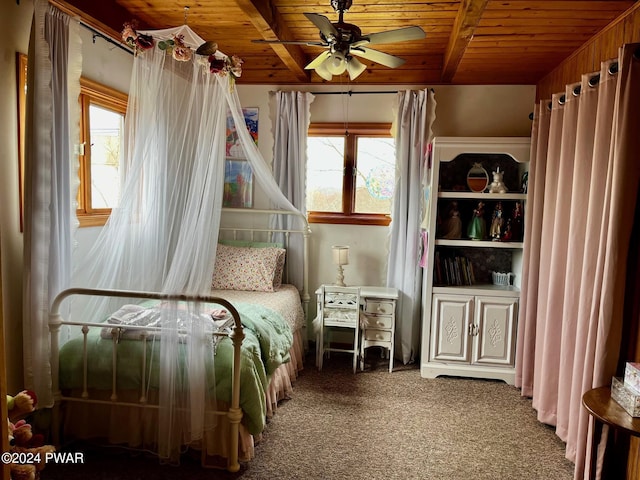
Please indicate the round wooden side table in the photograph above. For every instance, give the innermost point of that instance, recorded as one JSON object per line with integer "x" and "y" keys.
{"x": 606, "y": 411}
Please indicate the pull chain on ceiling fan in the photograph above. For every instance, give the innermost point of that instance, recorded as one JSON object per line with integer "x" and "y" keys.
{"x": 344, "y": 41}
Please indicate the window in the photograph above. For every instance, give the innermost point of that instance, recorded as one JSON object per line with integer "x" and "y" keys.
{"x": 102, "y": 112}
{"x": 350, "y": 178}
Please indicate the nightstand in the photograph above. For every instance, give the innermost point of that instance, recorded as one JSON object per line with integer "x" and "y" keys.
{"x": 378, "y": 325}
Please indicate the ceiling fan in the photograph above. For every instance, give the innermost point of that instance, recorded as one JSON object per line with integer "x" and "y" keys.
{"x": 344, "y": 41}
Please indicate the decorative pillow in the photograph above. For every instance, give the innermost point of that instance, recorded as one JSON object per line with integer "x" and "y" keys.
{"x": 246, "y": 268}
{"x": 277, "y": 278}
{"x": 277, "y": 275}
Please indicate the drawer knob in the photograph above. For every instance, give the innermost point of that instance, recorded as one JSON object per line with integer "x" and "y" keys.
{"x": 380, "y": 323}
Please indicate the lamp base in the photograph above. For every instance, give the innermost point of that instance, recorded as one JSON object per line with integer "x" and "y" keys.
{"x": 340, "y": 279}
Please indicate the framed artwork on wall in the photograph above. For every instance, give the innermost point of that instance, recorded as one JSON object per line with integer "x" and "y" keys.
{"x": 233, "y": 147}
{"x": 238, "y": 176}
{"x": 238, "y": 184}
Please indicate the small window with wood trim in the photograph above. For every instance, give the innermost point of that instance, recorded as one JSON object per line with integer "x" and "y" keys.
{"x": 350, "y": 173}
{"x": 102, "y": 112}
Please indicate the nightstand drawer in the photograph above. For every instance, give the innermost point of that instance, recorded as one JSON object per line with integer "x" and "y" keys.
{"x": 384, "y": 322}
{"x": 379, "y": 307}
{"x": 377, "y": 335}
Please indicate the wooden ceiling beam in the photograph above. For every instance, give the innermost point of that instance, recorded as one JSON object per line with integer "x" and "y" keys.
{"x": 264, "y": 15}
{"x": 466, "y": 21}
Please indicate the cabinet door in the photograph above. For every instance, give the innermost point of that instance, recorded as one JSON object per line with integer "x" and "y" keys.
{"x": 494, "y": 330}
{"x": 449, "y": 328}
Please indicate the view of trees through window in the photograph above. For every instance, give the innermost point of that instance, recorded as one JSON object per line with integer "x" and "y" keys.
{"x": 375, "y": 175}
{"x": 350, "y": 174}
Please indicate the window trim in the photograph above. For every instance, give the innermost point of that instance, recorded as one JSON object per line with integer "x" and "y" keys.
{"x": 92, "y": 92}
{"x": 347, "y": 216}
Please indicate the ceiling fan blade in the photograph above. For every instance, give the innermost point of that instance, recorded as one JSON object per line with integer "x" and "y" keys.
{"x": 293, "y": 42}
{"x": 378, "y": 57}
{"x": 392, "y": 36}
{"x": 355, "y": 67}
{"x": 318, "y": 60}
{"x": 323, "y": 23}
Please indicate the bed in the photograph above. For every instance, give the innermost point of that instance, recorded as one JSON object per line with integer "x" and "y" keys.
{"x": 103, "y": 378}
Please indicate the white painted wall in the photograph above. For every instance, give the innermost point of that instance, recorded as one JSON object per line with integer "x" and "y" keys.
{"x": 461, "y": 111}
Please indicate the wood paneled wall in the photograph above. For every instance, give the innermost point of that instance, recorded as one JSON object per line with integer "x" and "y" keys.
{"x": 603, "y": 46}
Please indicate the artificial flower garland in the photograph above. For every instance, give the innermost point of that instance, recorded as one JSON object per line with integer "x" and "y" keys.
{"x": 228, "y": 65}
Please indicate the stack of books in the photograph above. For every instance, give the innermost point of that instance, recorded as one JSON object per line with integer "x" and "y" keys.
{"x": 453, "y": 270}
{"x": 626, "y": 391}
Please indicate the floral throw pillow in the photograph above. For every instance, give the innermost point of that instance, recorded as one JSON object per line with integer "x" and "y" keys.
{"x": 246, "y": 268}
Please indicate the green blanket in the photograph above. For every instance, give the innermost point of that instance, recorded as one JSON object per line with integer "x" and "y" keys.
{"x": 268, "y": 339}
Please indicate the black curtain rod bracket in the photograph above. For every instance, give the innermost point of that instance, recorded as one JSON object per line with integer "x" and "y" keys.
{"x": 96, "y": 34}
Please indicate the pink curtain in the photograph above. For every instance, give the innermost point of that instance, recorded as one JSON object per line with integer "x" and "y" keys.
{"x": 583, "y": 189}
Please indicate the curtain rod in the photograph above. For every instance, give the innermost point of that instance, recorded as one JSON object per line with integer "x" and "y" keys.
{"x": 382, "y": 92}
{"x": 351, "y": 92}
{"x": 110, "y": 40}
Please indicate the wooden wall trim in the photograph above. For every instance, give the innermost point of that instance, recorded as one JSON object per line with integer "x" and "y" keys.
{"x": 4, "y": 428}
{"x": 602, "y": 46}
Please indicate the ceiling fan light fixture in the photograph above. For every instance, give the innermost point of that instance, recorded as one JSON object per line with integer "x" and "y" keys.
{"x": 324, "y": 72}
{"x": 336, "y": 63}
{"x": 355, "y": 67}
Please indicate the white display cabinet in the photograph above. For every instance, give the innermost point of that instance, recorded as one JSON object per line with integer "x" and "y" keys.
{"x": 471, "y": 284}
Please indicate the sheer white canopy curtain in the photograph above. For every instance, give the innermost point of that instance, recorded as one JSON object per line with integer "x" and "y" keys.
{"x": 54, "y": 68}
{"x": 163, "y": 236}
{"x": 413, "y": 134}
{"x": 583, "y": 181}
{"x": 290, "y": 120}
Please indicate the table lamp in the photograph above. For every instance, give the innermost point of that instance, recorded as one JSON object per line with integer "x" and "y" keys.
{"x": 340, "y": 258}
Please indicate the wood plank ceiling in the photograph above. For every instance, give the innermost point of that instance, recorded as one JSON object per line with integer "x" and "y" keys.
{"x": 467, "y": 42}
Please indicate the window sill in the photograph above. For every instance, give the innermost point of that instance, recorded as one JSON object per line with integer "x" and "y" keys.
{"x": 92, "y": 220}
{"x": 353, "y": 219}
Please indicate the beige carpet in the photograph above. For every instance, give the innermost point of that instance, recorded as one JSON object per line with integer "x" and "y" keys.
{"x": 375, "y": 425}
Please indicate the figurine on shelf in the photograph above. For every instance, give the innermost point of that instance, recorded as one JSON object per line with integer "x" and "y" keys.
{"x": 516, "y": 223}
{"x": 507, "y": 234}
{"x": 477, "y": 227}
{"x": 524, "y": 185}
{"x": 495, "y": 232}
{"x": 452, "y": 226}
{"x": 497, "y": 186}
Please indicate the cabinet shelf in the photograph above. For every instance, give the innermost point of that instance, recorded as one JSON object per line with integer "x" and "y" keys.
{"x": 483, "y": 196}
{"x": 479, "y": 289}
{"x": 478, "y": 243}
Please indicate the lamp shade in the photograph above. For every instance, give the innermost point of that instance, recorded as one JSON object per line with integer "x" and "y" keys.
{"x": 336, "y": 63}
{"x": 323, "y": 72}
{"x": 354, "y": 67}
{"x": 340, "y": 254}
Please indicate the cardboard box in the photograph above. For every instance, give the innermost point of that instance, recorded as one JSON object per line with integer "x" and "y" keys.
{"x": 626, "y": 397}
{"x": 632, "y": 376}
